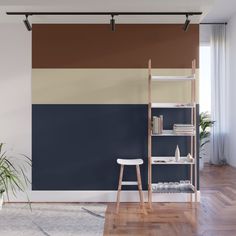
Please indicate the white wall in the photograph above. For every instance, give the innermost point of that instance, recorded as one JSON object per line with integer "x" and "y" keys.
{"x": 15, "y": 89}
{"x": 231, "y": 43}
{"x": 205, "y": 34}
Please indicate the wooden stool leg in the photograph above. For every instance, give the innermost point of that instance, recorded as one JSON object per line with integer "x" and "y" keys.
{"x": 119, "y": 188}
{"x": 140, "y": 187}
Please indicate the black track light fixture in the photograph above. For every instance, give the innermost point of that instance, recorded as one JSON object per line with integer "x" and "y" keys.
{"x": 186, "y": 24}
{"x": 112, "y": 22}
{"x": 27, "y": 24}
{"x": 112, "y": 14}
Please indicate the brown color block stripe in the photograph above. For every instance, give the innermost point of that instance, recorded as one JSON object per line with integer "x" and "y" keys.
{"x": 130, "y": 46}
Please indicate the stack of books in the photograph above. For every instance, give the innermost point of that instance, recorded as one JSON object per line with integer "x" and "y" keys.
{"x": 184, "y": 129}
{"x": 157, "y": 125}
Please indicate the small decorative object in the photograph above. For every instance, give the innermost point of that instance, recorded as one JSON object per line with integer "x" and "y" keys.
{"x": 176, "y": 186}
{"x": 177, "y": 153}
{"x": 182, "y": 185}
{"x": 187, "y": 184}
{"x": 166, "y": 185}
{"x": 160, "y": 186}
{"x": 171, "y": 186}
{"x": 154, "y": 188}
{"x": 189, "y": 158}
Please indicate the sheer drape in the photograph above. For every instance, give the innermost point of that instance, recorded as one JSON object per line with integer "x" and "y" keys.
{"x": 218, "y": 95}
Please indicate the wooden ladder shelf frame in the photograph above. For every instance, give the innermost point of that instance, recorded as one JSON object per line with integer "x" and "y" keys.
{"x": 193, "y": 138}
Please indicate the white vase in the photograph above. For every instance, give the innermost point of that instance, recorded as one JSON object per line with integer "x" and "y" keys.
{"x": 189, "y": 158}
{"x": 177, "y": 154}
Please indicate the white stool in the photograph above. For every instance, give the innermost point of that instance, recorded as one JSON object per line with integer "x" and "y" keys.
{"x": 130, "y": 162}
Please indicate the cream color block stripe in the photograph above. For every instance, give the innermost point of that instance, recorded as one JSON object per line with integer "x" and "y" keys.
{"x": 106, "y": 86}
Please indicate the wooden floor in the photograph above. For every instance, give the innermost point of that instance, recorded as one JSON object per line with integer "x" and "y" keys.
{"x": 214, "y": 216}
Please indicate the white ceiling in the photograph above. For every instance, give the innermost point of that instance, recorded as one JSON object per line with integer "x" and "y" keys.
{"x": 221, "y": 11}
{"x": 213, "y": 10}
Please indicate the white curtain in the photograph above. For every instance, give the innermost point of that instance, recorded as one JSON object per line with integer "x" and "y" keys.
{"x": 219, "y": 94}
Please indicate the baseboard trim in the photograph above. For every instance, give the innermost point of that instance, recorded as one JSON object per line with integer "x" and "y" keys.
{"x": 101, "y": 196}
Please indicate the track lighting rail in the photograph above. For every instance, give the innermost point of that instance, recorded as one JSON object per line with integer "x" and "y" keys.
{"x": 112, "y": 14}
{"x": 106, "y": 13}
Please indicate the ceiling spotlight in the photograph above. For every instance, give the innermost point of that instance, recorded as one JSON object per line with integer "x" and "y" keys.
{"x": 27, "y": 24}
{"x": 112, "y": 22}
{"x": 186, "y": 24}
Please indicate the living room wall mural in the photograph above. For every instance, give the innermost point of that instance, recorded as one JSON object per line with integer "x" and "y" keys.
{"x": 89, "y": 100}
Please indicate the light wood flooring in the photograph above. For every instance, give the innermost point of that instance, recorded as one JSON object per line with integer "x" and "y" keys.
{"x": 214, "y": 216}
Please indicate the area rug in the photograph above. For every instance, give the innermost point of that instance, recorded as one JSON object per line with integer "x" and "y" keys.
{"x": 52, "y": 219}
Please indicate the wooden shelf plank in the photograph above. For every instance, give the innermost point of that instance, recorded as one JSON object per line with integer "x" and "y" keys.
{"x": 190, "y": 189}
{"x": 172, "y": 78}
{"x": 172, "y": 133}
{"x": 173, "y": 105}
{"x": 170, "y": 161}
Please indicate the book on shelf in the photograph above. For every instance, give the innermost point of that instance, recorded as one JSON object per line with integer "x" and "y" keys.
{"x": 184, "y": 128}
{"x": 183, "y": 125}
{"x": 185, "y": 133}
{"x": 157, "y": 124}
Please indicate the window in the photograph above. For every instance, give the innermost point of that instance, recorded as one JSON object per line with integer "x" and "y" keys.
{"x": 205, "y": 78}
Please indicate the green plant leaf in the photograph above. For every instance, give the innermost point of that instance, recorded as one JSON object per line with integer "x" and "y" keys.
{"x": 12, "y": 175}
{"x": 205, "y": 124}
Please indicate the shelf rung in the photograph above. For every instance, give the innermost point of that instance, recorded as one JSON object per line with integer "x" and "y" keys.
{"x": 189, "y": 189}
{"x": 129, "y": 183}
{"x": 171, "y": 161}
{"x": 173, "y": 105}
{"x": 174, "y": 191}
{"x": 172, "y": 133}
{"x": 172, "y": 78}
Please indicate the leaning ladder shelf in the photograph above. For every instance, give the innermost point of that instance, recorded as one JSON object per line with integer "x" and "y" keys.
{"x": 170, "y": 160}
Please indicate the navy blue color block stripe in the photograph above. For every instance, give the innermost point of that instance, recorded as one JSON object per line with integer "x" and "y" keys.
{"x": 75, "y": 147}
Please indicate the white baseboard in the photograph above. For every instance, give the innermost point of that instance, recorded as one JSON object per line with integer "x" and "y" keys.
{"x": 100, "y": 196}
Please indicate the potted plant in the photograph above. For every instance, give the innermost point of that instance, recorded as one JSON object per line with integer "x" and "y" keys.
{"x": 205, "y": 132}
{"x": 12, "y": 174}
